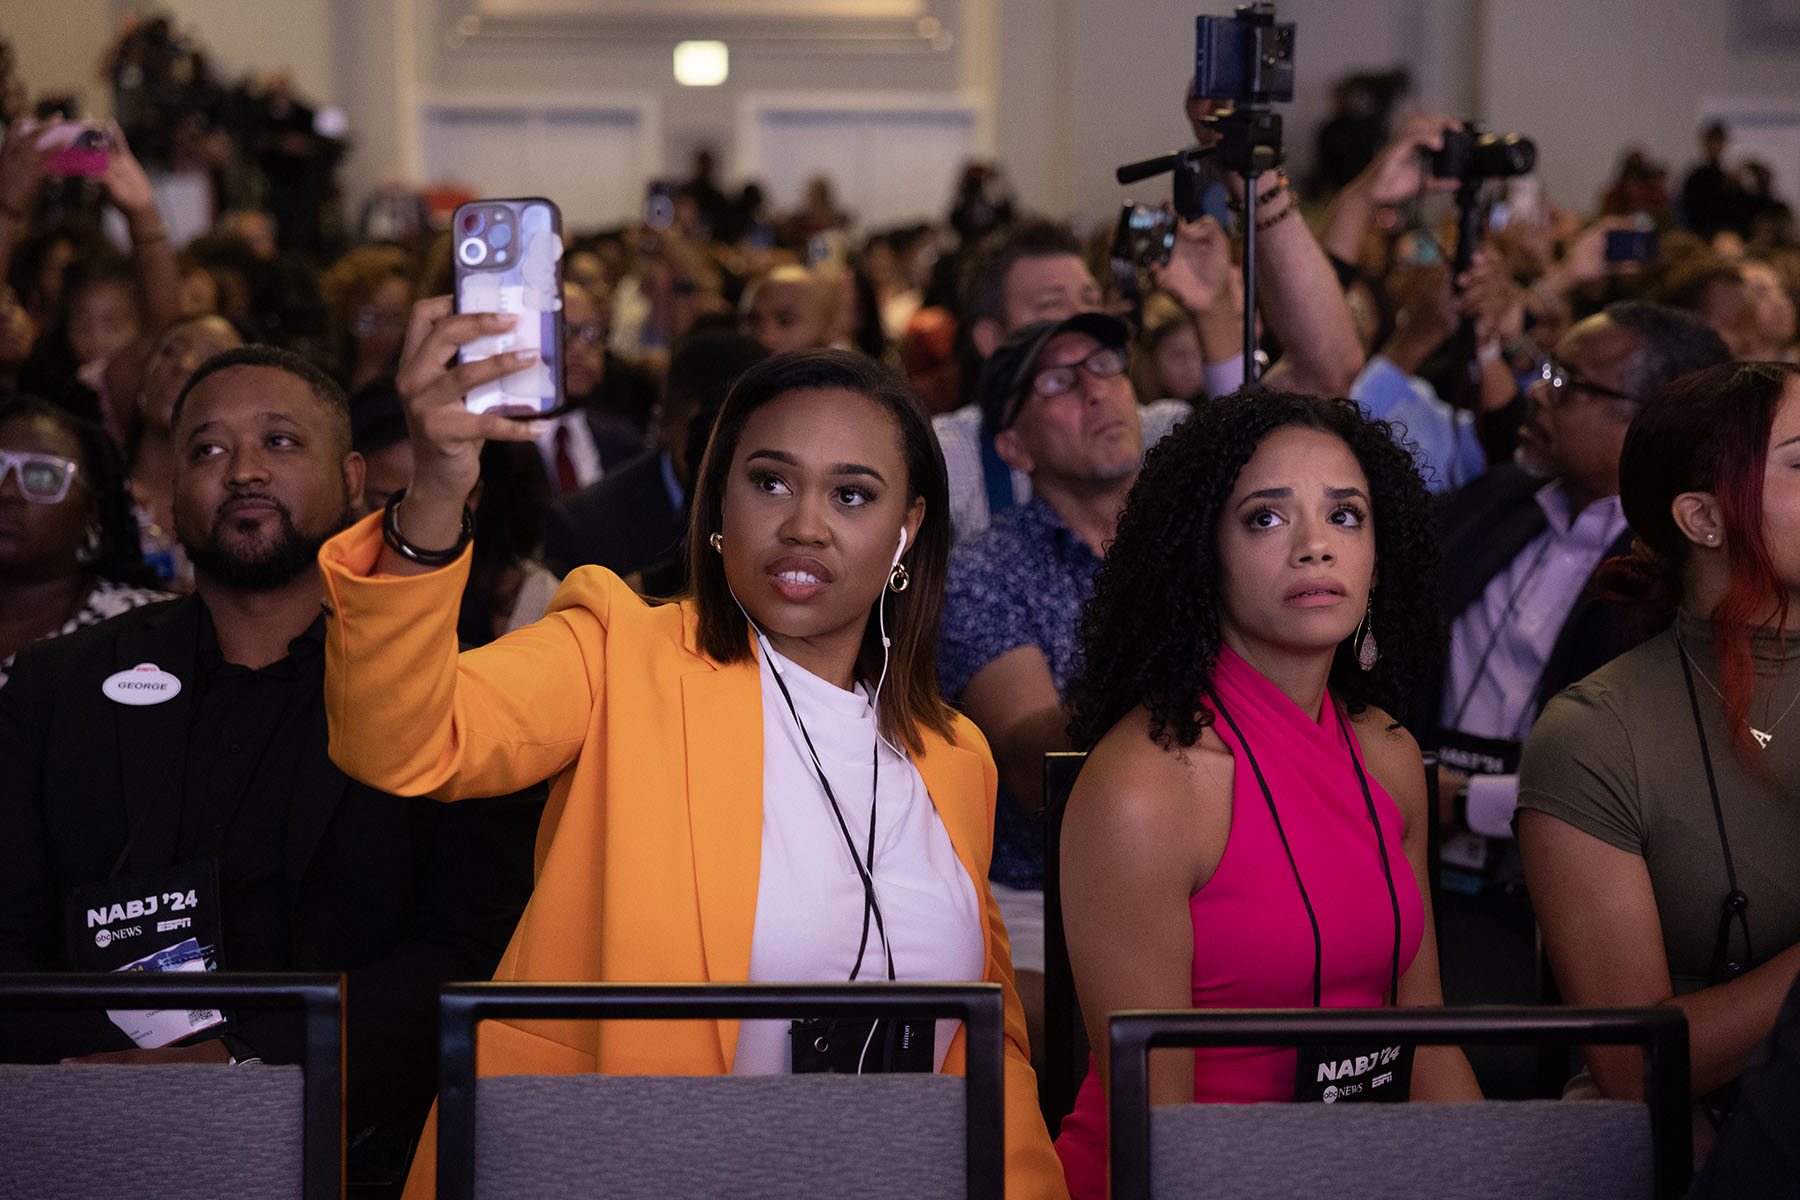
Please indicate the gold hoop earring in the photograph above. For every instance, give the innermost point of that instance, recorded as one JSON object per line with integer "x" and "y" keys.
{"x": 717, "y": 541}
{"x": 898, "y": 579}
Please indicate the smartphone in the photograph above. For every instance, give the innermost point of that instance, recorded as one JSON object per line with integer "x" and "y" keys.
{"x": 81, "y": 148}
{"x": 1636, "y": 245}
{"x": 659, "y": 205}
{"x": 508, "y": 259}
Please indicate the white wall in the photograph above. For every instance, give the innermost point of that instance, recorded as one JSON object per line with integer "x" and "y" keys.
{"x": 1586, "y": 79}
{"x": 1075, "y": 86}
{"x": 1085, "y": 85}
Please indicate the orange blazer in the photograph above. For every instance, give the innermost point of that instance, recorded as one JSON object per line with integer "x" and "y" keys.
{"x": 651, "y": 844}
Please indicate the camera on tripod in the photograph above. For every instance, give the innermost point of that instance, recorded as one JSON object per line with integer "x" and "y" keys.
{"x": 1471, "y": 156}
{"x": 1247, "y": 61}
{"x": 1247, "y": 58}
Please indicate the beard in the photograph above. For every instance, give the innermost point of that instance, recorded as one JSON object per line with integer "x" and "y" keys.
{"x": 286, "y": 556}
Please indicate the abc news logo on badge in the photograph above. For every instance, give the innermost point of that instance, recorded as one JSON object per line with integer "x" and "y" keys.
{"x": 1342, "y": 1078}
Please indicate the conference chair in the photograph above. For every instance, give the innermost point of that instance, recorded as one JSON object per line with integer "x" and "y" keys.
{"x": 896, "y": 1135}
{"x": 198, "y": 1131}
{"x": 1502, "y": 1149}
{"x": 1065, "y": 1037}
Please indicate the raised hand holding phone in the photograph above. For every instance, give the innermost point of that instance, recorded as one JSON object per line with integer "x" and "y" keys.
{"x": 446, "y": 436}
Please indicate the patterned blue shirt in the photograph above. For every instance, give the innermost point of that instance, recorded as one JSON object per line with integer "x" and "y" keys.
{"x": 1021, "y": 582}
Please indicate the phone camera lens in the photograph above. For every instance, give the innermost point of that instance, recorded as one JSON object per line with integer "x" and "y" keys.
{"x": 472, "y": 252}
{"x": 500, "y": 237}
{"x": 472, "y": 222}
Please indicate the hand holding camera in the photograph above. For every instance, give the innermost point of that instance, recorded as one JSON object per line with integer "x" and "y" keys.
{"x": 1395, "y": 175}
{"x": 75, "y": 147}
{"x": 1197, "y": 271}
{"x": 21, "y": 169}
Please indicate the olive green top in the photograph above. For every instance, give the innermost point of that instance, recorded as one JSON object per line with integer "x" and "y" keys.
{"x": 1617, "y": 757}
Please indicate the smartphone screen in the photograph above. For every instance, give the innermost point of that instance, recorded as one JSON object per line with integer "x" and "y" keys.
{"x": 1630, "y": 245}
{"x": 508, "y": 258}
{"x": 659, "y": 205}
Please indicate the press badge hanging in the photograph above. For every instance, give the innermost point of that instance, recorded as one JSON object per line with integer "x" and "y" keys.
{"x": 159, "y": 921}
{"x": 1351, "y": 1074}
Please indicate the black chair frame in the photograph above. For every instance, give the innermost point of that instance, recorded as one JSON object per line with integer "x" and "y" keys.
{"x": 1661, "y": 1031}
{"x": 320, "y": 997}
{"x": 463, "y": 1006}
{"x": 1065, "y": 1039}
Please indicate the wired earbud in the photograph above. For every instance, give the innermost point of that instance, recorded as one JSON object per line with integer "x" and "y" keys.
{"x": 900, "y": 549}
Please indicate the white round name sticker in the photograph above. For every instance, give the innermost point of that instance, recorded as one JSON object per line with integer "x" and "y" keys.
{"x": 145, "y": 683}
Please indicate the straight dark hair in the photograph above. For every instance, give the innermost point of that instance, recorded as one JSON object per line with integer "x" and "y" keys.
{"x": 909, "y": 703}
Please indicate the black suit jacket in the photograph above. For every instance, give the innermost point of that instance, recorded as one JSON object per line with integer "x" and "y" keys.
{"x": 1484, "y": 526}
{"x": 625, "y": 522}
{"x": 401, "y": 895}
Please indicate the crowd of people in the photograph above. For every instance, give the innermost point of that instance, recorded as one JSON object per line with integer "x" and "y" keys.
{"x": 834, "y": 514}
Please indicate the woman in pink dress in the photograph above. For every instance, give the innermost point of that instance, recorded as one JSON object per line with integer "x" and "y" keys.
{"x": 1249, "y": 829}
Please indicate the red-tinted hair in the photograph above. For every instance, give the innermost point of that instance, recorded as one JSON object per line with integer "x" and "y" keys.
{"x": 1709, "y": 432}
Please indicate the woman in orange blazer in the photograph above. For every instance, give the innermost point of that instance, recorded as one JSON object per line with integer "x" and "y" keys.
{"x": 651, "y": 718}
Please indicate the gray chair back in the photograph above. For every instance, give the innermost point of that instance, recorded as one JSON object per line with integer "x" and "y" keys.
{"x": 627, "y": 1136}
{"x": 74, "y": 1132}
{"x": 1506, "y": 1150}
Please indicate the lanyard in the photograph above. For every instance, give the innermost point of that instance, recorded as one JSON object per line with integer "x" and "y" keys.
{"x": 1499, "y": 631}
{"x": 1735, "y": 905}
{"x": 865, "y": 865}
{"x": 1380, "y": 845}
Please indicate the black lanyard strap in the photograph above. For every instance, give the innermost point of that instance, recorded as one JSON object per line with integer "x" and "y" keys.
{"x": 865, "y": 867}
{"x": 1735, "y": 905}
{"x": 1499, "y": 631}
{"x": 1386, "y": 868}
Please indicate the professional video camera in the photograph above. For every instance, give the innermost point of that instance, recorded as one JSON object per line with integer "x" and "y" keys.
{"x": 1472, "y": 156}
{"x": 1247, "y": 61}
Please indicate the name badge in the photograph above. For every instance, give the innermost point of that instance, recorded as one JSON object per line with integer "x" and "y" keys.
{"x": 145, "y": 683}
{"x": 1353, "y": 1073}
{"x": 160, "y": 921}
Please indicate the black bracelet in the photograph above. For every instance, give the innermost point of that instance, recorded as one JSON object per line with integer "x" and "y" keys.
{"x": 390, "y": 533}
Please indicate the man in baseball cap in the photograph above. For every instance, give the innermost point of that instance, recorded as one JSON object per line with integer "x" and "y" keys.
{"x": 1060, "y": 407}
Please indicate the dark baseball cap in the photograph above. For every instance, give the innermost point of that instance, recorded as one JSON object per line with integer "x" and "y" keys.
{"x": 1010, "y": 367}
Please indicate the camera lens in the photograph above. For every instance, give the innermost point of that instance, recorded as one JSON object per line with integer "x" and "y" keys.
{"x": 500, "y": 237}
{"x": 472, "y": 252}
{"x": 472, "y": 222}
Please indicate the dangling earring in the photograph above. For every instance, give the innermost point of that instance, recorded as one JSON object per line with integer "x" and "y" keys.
{"x": 717, "y": 541}
{"x": 898, "y": 579}
{"x": 1363, "y": 640}
{"x": 89, "y": 553}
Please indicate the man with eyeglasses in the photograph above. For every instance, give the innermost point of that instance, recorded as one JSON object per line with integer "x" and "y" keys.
{"x": 1064, "y": 412}
{"x": 1521, "y": 546}
{"x": 594, "y": 434}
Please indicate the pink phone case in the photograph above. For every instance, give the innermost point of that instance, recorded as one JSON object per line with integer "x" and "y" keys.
{"x": 85, "y": 148}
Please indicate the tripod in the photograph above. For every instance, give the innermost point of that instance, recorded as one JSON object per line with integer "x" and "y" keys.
{"x": 1249, "y": 144}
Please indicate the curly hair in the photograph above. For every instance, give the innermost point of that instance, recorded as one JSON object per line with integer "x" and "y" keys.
{"x": 1150, "y": 635}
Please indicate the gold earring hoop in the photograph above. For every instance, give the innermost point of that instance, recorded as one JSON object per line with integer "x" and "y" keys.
{"x": 717, "y": 541}
{"x": 899, "y": 579}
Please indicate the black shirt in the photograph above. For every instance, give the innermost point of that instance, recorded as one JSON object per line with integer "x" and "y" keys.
{"x": 243, "y": 757}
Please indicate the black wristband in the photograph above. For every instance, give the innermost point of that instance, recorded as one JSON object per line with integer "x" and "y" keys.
{"x": 390, "y": 533}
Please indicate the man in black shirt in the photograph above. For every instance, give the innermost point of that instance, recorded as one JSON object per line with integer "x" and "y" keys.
{"x": 225, "y": 777}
